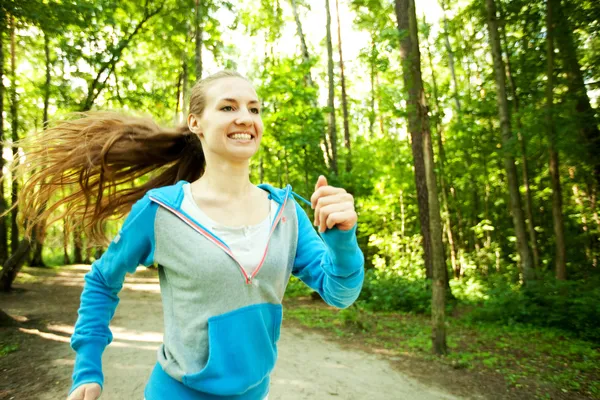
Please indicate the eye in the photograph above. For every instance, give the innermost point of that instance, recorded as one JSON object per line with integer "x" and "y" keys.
{"x": 227, "y": 108}
{"x": 255, "y": 110}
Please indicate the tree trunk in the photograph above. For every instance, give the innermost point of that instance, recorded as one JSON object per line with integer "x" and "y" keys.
{"x": 450, "y": 57}
{"x": 418, "y": 125}
{"x": 77, "y": 246}
{"x": 372, "y": 75}
{"x": 13, "y": 265}
{"x": 592, "y": 194}
{"x": 307, "y": 78}
{"x": 557, "y": 215}
{"x": 585, "y": 118}
{"x": 305, "y": 54}
{"x": 66, "y": 258}
{"x": 441, "y": 161}
{"x": 14, "y": 230}
{"x": 507, "y": 138}
{"x": 178, "y": 119}
{"x": 344, "y": 97}
{"x": 184, "y": 89}
{"x": 198, "y": 41}
{"x": 331, "y": 95}
{"x": 523, "y": 144}
{"x": 3, "y": 227}
{"x": 37, "y": 242}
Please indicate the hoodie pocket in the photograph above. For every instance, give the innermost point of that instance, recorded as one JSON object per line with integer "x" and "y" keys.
{"x": 241, "y": 350}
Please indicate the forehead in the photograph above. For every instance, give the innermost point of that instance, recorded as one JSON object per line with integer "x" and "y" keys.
{"x": 232, "y": 88}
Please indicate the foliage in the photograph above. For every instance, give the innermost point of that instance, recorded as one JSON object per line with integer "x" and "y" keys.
{"x": 572, "y": 306}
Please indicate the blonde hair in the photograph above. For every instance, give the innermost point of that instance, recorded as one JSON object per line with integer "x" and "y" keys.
{"x": 98, "y": 157}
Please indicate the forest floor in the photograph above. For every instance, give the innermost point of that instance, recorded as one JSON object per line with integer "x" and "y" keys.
{"x": 315, "y": 361}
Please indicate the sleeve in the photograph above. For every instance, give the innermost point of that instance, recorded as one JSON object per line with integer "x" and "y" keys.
{"x": 333, "y": 266}
{"x": 134, "y": 245}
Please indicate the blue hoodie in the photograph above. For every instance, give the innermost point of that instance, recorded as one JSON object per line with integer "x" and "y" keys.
{"x": 221, "y": 324}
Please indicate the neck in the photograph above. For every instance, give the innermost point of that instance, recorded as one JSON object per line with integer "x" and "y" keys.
{"x": 226, "y": 180}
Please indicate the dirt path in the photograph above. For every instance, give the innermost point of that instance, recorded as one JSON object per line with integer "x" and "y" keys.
{"x": 309, "y": 366}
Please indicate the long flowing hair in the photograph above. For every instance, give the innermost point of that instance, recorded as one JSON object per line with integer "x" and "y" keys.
{"x": 97, "y": 158}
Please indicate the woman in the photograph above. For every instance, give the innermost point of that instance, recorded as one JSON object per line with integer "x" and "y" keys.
{"x": 225, "y": 248}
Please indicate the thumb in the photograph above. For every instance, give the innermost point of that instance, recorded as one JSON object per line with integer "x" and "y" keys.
{"x": 322, "y": 181}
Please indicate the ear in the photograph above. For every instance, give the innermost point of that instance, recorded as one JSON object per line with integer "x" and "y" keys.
{"x": 194, "y": 124}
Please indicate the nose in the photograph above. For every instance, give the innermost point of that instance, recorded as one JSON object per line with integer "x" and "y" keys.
{"x": 244, "y": 117}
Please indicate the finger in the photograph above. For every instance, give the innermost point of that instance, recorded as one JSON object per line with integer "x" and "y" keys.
{"x": 324, "y": 191}
{"x": 336, "y": 218}
{"x": 92, "y": 393}
{"x": 321, "y": 181}
{"x": 77, "y": 394}
{"x": 330, "y": 209}
{"x": 321, "y": 202}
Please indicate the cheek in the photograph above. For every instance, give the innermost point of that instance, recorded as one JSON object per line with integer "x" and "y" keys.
{"x": 259, "y": 127}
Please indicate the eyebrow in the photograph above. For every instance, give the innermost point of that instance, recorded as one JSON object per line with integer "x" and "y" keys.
{"x": 235, "y": 101}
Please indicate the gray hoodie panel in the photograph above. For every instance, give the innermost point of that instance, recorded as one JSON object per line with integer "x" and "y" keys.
{"x": 200, "y": 280}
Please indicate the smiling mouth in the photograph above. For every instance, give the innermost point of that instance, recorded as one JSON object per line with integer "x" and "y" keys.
{"x": 241, "y": 136}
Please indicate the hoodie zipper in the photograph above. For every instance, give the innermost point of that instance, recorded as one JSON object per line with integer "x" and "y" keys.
{"x": 206, "y": 233}
{"x": 275, "y": 222}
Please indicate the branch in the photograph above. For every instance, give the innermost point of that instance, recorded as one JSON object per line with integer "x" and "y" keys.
{"x": 92, "y": 93}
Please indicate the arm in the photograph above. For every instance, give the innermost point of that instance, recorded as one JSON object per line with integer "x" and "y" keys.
{"x": 133, "y": 245}
{"x": 332, "y": 266}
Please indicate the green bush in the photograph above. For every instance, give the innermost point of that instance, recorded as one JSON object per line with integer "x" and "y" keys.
{"x": 569, "y": 305}
{"x": 393, "y": 293}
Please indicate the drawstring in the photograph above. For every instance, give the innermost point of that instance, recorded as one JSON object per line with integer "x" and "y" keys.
{"x": 308, "y": 203}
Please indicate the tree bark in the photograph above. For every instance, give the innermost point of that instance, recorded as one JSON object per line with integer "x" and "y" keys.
{"x": 184, "y": 88}
{"x": 13, "y": 265}
{"x": 331, "y": 95}
{"x": 198, "y": 39}
{"x": 77, "y": 246}
{"x": 523, "y": 143}
{"x": 372, "y": 100}
{"x": 585, "y": 115}
{"x": 526, "y": 260}
{"x": 308, "y": 78}
{"x": 450, "y": 57}
{"x": 14, "y": 230}
{"x": 305, "y": 54}
{"x": 557, "y": 215}
{"x": 418, "y": 125}
{"x": 441, "y": 161}
{"x": 66, "y": 258}
{"x": 344, "y": 96}
{"x": 3, "y": 226}
{"x": 37, "y": 240}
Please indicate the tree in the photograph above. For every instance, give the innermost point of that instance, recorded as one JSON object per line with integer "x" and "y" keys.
{"x": 198, "y": 39}
{"x": 507, "y": 140}
{"x": 585, "y": 116}
{"x": 3, "y": 227}
{"x": 14, "y": 230}
{"x": 523, "y": 143}
{"x": 344, "y": 96}
{"x": 418, "y": 125}
{"x": 331, "y": 95}
{"x": 557, "y": 213}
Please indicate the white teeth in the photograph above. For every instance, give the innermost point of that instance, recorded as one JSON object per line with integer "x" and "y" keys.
{"x": 242, "y": 136}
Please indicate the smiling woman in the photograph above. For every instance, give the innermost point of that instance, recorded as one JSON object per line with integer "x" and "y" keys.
{"x": 225, "y": 247}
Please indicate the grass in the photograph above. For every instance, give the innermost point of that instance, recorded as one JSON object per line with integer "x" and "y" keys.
{"x": 7, "y": 348}
{"x": 530, "y": 358}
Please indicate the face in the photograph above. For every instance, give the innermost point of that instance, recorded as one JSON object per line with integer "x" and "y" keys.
{"x": 230, "y": 126}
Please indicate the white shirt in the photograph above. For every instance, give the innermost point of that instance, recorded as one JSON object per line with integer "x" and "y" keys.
{"x": 247, "y": 243}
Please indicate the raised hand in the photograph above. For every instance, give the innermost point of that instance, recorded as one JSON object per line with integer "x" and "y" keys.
{"x": 333, "y": 207}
